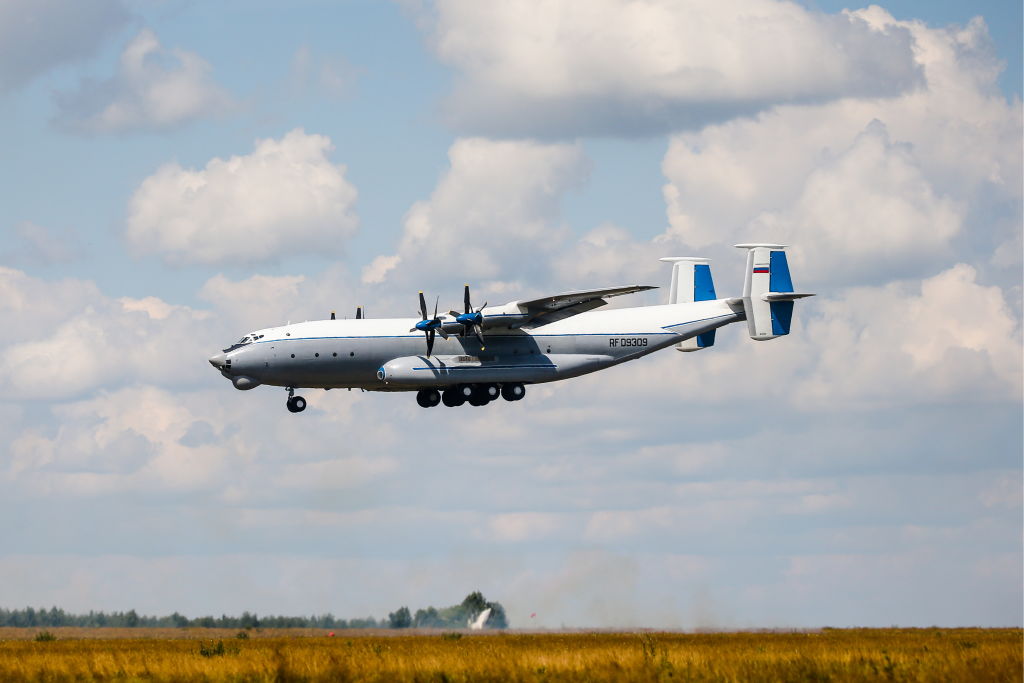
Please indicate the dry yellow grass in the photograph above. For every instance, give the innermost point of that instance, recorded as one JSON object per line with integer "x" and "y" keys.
{"x": 830, "y": 655}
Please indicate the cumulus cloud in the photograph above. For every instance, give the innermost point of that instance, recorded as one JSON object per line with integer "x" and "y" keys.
{"x": 951, "y": 340}
{"x": 628, "y": 67}
{"x": 154, "y": 89}
{"x": 67, "y": 339}
{"x": 284, "y": 198}
{"x": 32, "y": 306}
{"x": 877, "y": 189}
{"x": 494, "y": 212}
{"x": 38, "y": 35}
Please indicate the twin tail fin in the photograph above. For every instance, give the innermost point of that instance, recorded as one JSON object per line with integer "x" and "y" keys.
{"x": 768, "y": 293}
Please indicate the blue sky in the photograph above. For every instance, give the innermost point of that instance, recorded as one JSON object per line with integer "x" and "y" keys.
{"x": 179, "y": 173}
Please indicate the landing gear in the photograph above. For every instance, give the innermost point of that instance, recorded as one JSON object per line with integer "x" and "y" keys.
{"x": 473, "y": 394}
{"x": 483, "y": 394}
{"x": 457, "y": 395}
{"x": 428, "y": 398}
{"x": 512, "y": 392}
{"x": 295, "y": 404}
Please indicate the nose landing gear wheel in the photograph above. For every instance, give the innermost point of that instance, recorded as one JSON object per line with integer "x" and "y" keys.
{"x": 512, "y": 392}
{"x": 428, "y": 398}
{"x": 296, "y": 404}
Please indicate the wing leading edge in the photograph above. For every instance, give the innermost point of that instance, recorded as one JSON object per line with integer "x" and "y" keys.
{"x": 549, "y": 309}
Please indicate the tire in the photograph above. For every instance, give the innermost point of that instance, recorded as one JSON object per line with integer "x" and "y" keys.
{"x": 296, "y": 404}
{"x": 492, "y": 391}
{"x": 423, "y": 398}
{"x": 435, "y": 397}
{"x": 452, "y": 397}
{"x": 481, "y": 394}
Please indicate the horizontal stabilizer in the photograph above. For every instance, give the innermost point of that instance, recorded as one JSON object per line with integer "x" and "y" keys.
{"x": 783, "y": 296}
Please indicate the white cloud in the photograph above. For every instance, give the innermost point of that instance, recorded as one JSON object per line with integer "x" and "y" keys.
{"x": 285, "y": 198}
{"x": 867, "y": 189}
{"x": 627, "y": 67}
{"x": 31, "y": 306}
{"x": 949, "y": 339}
{"x": 154, "y": 89}
{"x": 38, "y": 35}
{"x": 76, "y": 340}
{"x": 494, "y": 212}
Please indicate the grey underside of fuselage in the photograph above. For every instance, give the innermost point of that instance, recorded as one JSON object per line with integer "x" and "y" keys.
{"x": 328, "y": 362}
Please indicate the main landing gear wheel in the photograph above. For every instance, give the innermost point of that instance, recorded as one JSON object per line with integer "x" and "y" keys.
{"x": 428, "y": 398}
{"x": 296, "y": 404}
{"x": 512, "y": 392}
{"x": 483, "y": 394}
{"x": 456, "y": 396}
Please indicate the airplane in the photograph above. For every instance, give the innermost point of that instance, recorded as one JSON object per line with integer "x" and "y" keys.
{"x": 488, "y": 352}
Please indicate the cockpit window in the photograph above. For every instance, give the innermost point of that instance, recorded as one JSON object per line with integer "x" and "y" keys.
{"x": 247, "y": 339}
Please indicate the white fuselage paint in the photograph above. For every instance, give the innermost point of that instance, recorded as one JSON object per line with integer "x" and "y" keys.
{"x": 355, "y": 353}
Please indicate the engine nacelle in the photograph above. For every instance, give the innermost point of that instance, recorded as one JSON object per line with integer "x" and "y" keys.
{"x": 419, "y": 371}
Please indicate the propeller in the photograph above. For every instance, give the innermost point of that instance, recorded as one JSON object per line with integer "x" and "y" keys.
{"x": 472, "y": 319}
{"x": 429, "y": 326}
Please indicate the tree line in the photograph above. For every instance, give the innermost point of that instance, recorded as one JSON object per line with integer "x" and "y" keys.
{"x": 456, "y": 616}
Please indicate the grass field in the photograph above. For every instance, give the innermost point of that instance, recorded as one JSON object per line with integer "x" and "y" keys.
{"x": 309, "y": 655}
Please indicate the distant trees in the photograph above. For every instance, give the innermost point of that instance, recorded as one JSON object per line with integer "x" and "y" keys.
{"x": 30, "y": 617}
{"x": 400, "y": 618}
{"x": 456, "y": 616}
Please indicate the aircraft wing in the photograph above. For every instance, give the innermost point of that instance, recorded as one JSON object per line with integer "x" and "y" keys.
{"x": 548, "y": 309}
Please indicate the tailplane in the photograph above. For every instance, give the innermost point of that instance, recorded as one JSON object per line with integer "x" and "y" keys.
{"x": 768, "y": 294}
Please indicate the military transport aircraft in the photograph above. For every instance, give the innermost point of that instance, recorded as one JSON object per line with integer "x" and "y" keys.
{"x": 493, "y": 351}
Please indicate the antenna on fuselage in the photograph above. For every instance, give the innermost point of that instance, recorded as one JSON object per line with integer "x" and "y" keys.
{"x": 332, "y": 315}
{"x": 359, "y": 312}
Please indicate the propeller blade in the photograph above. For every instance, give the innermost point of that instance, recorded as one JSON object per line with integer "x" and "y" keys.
{"x": 436, "y": 301}
{"x": 482, "y": 307}
{"x": 465, "y": 299}
{"x": 423, "y": 306}
{"x": 479, "y": 336}
{"x": 430, "y": 342}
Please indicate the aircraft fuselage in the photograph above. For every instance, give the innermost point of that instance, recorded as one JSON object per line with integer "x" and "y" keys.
{"x": 383, "y": 355}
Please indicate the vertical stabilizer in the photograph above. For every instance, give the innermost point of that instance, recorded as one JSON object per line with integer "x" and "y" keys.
{"x": 691, "y": 281}
{"x": 768, "y": 294}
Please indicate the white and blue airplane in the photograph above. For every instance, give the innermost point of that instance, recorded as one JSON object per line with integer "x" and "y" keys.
{"x": 493, "y": 351}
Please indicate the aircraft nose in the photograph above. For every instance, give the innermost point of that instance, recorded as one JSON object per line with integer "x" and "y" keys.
{"x": 219, "y": 361}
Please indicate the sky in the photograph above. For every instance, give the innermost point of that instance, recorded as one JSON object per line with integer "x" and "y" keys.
{"x": 176, "y": 174}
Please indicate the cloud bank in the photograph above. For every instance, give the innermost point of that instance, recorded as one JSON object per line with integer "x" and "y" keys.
{"x": 631, "y": 67}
